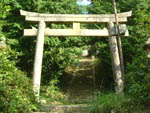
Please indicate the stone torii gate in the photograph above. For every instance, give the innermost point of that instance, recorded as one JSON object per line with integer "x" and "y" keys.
{"x": 75, "y": 19}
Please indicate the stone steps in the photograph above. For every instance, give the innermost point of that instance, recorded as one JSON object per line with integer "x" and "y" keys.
{"x": 81, "y": 108}
{"x": 80, "y": 96}
{"x": 80, "y": 88}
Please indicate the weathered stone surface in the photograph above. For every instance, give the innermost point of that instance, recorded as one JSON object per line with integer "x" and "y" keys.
{"x": 76, "y": 31}
{"x": 116, "y": 61}
{"x": 38, "y": 59}
{"x": 64, "y": 108}
{"x": 122, "y": 29}
{"x": 120, "y": 15}
{"x": 73, "y": 19}
{"x": 36, "y": 17}
{"x": 67, "y": 32}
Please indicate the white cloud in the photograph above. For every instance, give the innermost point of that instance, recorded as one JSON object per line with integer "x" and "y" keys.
{"x": 83, "y": 2}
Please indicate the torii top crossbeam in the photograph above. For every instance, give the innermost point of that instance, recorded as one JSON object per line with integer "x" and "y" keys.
{"x": 90, "y": 18}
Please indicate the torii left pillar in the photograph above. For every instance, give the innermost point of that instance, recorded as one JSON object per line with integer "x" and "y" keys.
{"x": 38, "y": 58}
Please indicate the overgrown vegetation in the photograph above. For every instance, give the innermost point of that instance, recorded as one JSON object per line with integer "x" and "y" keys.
{"x": 16, "y": 63}
{"x": 112, "y": 102}
{"x": 108, "y": 102}
{"x": 15, "y": 88}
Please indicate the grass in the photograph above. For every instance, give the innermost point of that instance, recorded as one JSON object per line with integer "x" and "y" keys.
{"x": 105, "y": 102}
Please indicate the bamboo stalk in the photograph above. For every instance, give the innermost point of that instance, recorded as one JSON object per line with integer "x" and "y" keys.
{"x": 119, "y": 38}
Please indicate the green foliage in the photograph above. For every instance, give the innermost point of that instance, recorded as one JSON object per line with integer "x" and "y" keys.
{"x": 57, "y": 57}
{"x": 137, "y": 80}
{"x": 16, "y": 94}
{"x": 107, "y": 102}
{"x": 3, "y": 13}
{"x": 137, "y": 69}
{"x": 101, "y": 7}
{"x": 53, "y": 94}
{"x": 5, "y": 8}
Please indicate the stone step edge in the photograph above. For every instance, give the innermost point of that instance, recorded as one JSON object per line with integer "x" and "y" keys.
{"x": 69, "y": 106}
{"x": 49, "y": 112}
{"x": 44, "y": 112}
{"x": 46, "y": 108}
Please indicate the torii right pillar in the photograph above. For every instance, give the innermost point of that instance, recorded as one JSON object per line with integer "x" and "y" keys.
{"x": 119, "y": 87}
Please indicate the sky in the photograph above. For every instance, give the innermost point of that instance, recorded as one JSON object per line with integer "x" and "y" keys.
{"x": 83, "y": 2}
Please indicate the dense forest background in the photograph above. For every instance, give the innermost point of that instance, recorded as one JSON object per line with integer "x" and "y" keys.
{"x": 16, "y": 60}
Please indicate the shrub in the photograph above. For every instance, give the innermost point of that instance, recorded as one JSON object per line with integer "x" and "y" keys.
{"x": 16, "y": 94}
{"x": 137, "y": 80}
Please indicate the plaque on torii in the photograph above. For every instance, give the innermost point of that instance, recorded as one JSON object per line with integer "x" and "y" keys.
{"x": 74, "y": 19}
